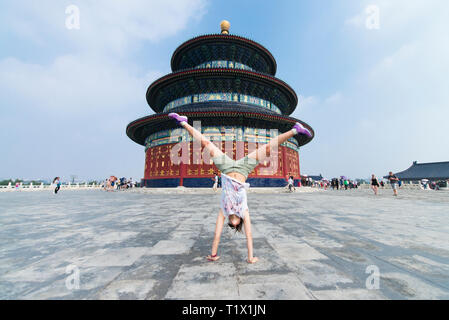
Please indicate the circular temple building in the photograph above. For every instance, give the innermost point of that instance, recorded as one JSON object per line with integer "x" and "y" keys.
{"x": 226, "y": 86}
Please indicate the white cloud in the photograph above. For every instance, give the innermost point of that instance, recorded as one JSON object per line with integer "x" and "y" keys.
{"x": 406, "y": 89}
{"x": 306, "y": 102}
{"x": 87, "y": 78}
{"x": 335, "y": 98}
{"x": 70, "y": 102}
{"x": 356, "y": 21}
{"x": 73, "y": 84}
{"x": 105, "y": 25}
{"x": 394, "y": 107}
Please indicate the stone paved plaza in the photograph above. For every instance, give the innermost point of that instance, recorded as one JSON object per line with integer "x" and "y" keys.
{"x": 140, "y": 245}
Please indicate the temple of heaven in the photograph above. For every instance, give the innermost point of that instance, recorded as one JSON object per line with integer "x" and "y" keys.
{"x": 227, "y": 84}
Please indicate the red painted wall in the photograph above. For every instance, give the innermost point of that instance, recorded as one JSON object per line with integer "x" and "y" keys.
{"x": 159, "y": 165}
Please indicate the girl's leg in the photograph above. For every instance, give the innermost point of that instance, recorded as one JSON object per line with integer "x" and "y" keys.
{"x": 214, "y": 151}
{"x": 264, "y": 151}
{"x": 218, "y": 230}
{"x": 249, "y": 238}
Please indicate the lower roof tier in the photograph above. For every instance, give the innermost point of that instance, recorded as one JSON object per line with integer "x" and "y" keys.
{"x": 218, "y": 134}
{"x": 223, "y": 115}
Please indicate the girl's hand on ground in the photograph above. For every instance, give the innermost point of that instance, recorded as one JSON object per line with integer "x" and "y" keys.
{"x": 210, "y": 258}
{"x": 253, "y": 260}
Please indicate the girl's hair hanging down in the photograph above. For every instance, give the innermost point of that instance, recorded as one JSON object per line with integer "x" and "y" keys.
{"x": 55, "y": 179}
{"x": 237, "y": 228}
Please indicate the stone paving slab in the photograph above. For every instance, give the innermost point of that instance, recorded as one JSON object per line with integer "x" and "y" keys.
{"x": 273, "y": 287}
{"x": 151, "y": 244}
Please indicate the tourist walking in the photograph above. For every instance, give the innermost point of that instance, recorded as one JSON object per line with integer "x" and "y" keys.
{"x": 215, "y": 182}
{"x": 293, "y": 183}
{"x": 393, "y": 182}
{"x": 57, "y": 181}
{"x": 290, "y": 184}
{"x": 374, "y": 184}
{"x": 234, "y": 173}
{"x": 112, "y": 181}
{"x": 424, "y": 183}
{"x": 219, "y": 182}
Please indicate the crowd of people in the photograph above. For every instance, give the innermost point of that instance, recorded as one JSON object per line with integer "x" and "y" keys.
{"x": 342, "y": 183}
{"x": 113, "y": 183}
{"x": 394, "y": 182}
{"x": 290, "y": 182}
{"x": 427, "y": 184}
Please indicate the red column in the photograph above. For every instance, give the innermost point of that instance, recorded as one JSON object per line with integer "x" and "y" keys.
{"x": 284, "y": 162}
{"x": 182, "y": 172}
{"x": 299, "y": 171}
{"x": 183, "y": 165}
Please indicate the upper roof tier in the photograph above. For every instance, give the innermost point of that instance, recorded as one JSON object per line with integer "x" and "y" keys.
{"x": 216, "y": 47}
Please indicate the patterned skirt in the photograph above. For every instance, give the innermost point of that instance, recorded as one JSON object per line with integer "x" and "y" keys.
{"x": 233, "y": 197}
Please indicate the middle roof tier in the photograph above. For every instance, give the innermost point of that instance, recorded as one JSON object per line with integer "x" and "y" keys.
{"x": 192, "y": 82}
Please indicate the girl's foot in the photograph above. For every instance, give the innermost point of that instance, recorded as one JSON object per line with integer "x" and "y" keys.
{"x": 177, "y": 117}
{"x": 301, "y": 130}
{"x": 213, "y": 258}
{"x": 253, "y": 260}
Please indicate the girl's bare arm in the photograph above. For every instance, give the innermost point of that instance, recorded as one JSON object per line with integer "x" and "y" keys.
{"x": 218, "y": 230}
{"x": 249, "y": 238}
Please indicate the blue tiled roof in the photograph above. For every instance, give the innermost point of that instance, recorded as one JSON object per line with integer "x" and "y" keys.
{"x": 431, "y": 171}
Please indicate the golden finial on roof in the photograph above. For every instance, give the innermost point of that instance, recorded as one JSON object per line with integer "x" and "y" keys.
{"x": 225, "y": 25}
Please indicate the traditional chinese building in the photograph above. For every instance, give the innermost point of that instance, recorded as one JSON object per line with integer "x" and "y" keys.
{"x": 227, "y": 84}
{"x": 433, "y": 171}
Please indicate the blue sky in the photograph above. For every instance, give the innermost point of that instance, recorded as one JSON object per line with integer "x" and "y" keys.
{"x": 377, "y": 98}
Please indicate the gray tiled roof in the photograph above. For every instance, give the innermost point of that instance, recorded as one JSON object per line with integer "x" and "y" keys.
{"x": 431, "y": 171}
